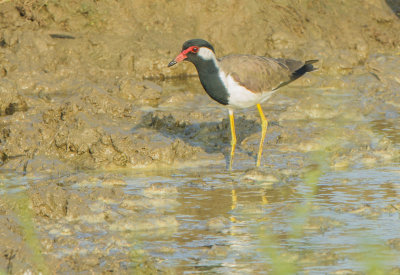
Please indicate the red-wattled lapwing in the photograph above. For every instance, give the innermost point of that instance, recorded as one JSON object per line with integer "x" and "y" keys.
{"x": 241, "y": 81}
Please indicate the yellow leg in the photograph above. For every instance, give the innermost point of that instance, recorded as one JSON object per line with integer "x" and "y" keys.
{"x": 264, "y": 125}
{"x": 233, "y": 140}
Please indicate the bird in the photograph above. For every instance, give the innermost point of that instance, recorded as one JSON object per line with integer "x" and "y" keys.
{"x": 241, "y": 80}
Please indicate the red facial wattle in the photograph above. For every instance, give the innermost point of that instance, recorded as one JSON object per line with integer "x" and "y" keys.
{"x": 183, "y": 55}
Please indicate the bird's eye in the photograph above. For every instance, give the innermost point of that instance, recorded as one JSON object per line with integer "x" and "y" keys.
{"x": 195, "y": 49}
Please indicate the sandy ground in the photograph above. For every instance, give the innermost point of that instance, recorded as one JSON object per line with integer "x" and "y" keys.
{"x": 84, "y": 85}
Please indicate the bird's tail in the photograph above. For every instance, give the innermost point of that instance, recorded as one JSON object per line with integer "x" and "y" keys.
{"x": 307, "y": 67}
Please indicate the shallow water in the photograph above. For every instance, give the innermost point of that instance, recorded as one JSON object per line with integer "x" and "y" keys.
{"x": 226, "y": 232}
{"x": 221, "y": 222}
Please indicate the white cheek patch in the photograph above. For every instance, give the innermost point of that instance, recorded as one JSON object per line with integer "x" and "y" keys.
{"x": 206, "y": 53}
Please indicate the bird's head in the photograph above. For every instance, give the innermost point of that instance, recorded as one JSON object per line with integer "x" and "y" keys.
{"x": 194, "y": 50}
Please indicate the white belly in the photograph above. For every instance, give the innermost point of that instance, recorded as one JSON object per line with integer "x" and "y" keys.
{"x": 239, "y": 96}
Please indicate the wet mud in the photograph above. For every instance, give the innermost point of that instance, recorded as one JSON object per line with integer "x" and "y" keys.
{"x": 112, "y": 162}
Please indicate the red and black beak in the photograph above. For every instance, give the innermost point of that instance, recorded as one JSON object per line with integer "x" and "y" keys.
{"x": 182, "y": 56}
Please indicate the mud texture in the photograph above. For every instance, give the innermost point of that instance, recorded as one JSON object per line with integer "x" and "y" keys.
{"x": 72, "y": 88}
{"x": 84, "y": 85}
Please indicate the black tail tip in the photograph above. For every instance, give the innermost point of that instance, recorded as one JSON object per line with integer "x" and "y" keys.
{"x": 308, "y": 65}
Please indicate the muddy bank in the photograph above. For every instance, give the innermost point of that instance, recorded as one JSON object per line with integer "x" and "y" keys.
{"x": 141, "y": 124}
{"x": 114, "y": 39}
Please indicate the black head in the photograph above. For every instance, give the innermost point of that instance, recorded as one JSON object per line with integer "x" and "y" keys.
{"x": 198, "y": 43}
{"x": 190, "y": 51}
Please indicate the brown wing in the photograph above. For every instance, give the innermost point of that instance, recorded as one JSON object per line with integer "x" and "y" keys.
{"x": 259, "y": 73}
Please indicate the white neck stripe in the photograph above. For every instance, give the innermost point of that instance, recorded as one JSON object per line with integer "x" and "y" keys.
{"x": 206, "y": 53}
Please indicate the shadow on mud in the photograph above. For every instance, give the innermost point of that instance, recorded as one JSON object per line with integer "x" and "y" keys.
{"x": 212, "y": 137}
